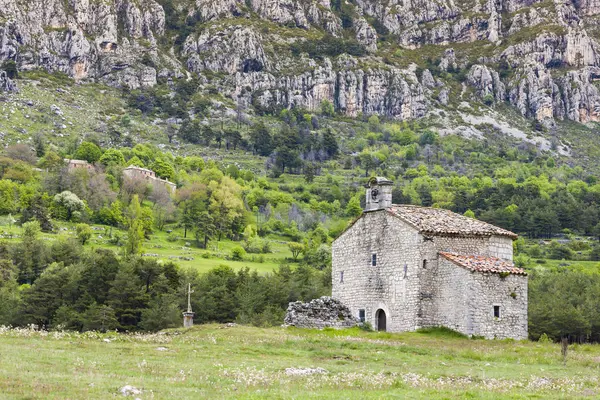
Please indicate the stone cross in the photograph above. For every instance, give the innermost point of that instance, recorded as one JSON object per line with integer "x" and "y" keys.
{"x": 188, "y": 316}
{"x": 190, "y": 291}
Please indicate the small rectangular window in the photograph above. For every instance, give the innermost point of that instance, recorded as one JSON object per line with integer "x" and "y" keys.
{"x": 361, "y": 315}
{"x": 374, "y": 260}
{"x": 341, "y": 276}
{"x": 425, "y": 264}
{"x": 496, "y": 311}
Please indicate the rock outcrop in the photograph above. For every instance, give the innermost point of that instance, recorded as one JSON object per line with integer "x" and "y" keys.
{"x": 6, "y": 84}
{"x": 325, "y": 312}
{"x": 86, "y": 40}
{"x": 539, "y": 57}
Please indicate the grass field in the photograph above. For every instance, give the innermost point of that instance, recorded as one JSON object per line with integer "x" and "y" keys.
{"x": 219, "y": 361}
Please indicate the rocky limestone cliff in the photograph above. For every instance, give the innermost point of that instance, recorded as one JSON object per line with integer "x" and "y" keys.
{"x": 84, "y": 39}
{"x": 404, "y": 57}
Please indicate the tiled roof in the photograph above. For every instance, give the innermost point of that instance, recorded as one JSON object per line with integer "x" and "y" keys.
{"x": 135, "y": 167}
{"x": 483, "y": 264}
{"x": 440, "y": 221}
{"x": 75, "y": 161}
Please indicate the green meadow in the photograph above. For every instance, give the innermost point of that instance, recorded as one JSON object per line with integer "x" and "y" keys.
{"x": 232, "y": 361}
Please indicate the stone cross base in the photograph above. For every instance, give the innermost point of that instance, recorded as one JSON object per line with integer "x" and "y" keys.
{"x": 188, "y": 319}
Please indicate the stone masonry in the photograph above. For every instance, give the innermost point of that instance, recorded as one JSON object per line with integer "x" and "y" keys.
{"x": 401, "y": 268}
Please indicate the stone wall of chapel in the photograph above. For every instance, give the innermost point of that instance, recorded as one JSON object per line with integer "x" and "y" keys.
{"x": 432, "y": 293}
{"x": 501, "y": 247}
{"x": 387, "y": 285}
{"x": 446, "y": 296}
{"x": 464, "y": 301}
{"x": 510, "y": 293}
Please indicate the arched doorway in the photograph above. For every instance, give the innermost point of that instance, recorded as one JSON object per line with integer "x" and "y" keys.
{"x": 381, "y": 320}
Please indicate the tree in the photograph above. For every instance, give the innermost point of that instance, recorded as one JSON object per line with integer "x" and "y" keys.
{"x": 163, "y": 313}
{"x": 261, "y": 139}
{"x": 232, "y": 138}
{"x": 309, "y": 172}
{"x": 30, "y": 255}
{"x": 89, "y": 152}
{"x": 171, "y": 132}
{"x": 595, "y": 253}
{"x": 330, "y": 144}
{"x": 99, "y": 318}
{"x": 207, "y": 135}
{"x": 21, "y": 152}
{"x": 327, "y": 108}
{"x": 112, "y": 157}
{"x": 367, "y": 161}
{"x": 428, "y": 137}
{"x": 296, "y": 249}
{"x": 225, "y": 205}
{"x": 163, "y": 169}
{"x": 36, "y": 208}
{"x": 191, "y": 131}
{"x": 127, "y": 298}
{"x": 204, "y": 228}
{"x": 287, "y": 157}
{"x": 84, "y": 233}
{"x": 353, "y": 208}
{"x": 135, "y": 233}
{"x": 68, "y": 206}
{"x": 52, "y": 290}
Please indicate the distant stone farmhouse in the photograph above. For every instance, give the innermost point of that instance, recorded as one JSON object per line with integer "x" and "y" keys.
{"x": 403, "y": 267}
{"x": 134, "y": 172}
{"x": 78, "y": 164}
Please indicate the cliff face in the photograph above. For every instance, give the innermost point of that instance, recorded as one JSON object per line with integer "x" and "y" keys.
{"x": 400, "y": 59}
{"x": 82, "y": 38}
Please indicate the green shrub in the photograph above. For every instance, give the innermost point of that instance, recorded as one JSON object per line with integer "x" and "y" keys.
{"x": 238, "y": 253}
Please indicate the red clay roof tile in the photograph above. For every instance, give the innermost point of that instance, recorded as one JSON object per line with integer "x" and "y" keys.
{"x": 483, "y": 263}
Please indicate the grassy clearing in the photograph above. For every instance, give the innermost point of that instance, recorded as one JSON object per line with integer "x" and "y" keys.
{"x": 183, "y": 251}
{"x": 216, "y": 361}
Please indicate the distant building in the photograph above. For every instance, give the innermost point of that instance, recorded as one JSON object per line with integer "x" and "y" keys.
{"x": 78, "y": 164}
{"x": 403, "y": 267}
{"x": 134, "y": 172}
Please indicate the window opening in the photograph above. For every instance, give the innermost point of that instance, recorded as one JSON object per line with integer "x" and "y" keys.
{"x": 496, "y": 311}
{"x": 374, "y": 260}
{"x": 361, "y": 315}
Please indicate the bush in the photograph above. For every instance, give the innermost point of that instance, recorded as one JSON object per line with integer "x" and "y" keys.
{"x": 172, "y": 237}
{"x": 84, "y": 233}
{"x": 238, "y": 253}
{"x": 366, "y": 326}
{"x": 257, "y": 245}
{"x": 328, "y": 46}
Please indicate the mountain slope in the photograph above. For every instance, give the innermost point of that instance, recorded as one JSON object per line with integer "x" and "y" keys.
{"x": 401, "y": 60}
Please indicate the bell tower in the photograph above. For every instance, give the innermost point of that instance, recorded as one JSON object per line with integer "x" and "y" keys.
{"x": 379, "y": 194}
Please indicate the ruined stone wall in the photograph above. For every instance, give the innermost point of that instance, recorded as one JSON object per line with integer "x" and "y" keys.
{"x": 324, "y": 312}
{"x": 385, "y": 286}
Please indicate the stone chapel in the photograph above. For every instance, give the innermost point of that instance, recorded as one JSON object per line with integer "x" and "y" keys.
{"x": 404, "y": 267}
